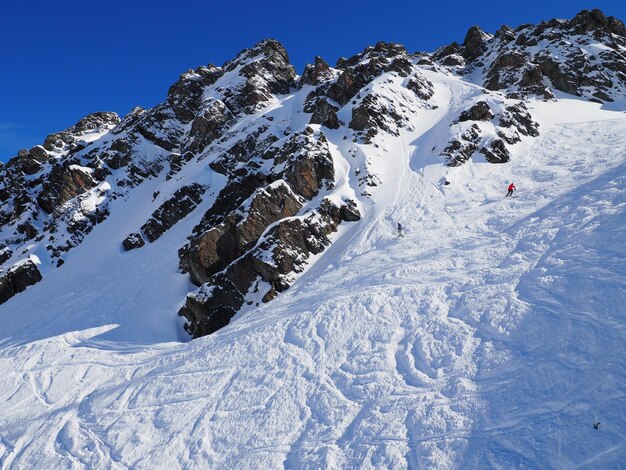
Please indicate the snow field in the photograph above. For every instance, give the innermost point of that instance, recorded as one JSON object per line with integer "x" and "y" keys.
{"x": 491, "y": 336}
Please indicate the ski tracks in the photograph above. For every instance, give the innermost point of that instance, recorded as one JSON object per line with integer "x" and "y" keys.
{"x": 431, "y": 352}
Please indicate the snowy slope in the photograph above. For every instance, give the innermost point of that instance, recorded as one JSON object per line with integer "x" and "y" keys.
{"x": 491, "y": 336}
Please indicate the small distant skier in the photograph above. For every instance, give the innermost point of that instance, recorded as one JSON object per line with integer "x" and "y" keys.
{"x": 400, "y": 234}
{"x": 511, "y": 189}
{"x": 596, "y": 425}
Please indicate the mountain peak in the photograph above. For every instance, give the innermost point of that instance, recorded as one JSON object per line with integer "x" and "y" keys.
{"x": 266, "y": 50}
{"x": 595, "y": 20}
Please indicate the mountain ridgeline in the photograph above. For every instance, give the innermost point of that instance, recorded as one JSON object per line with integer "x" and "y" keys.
{"x": 250, "y": 149}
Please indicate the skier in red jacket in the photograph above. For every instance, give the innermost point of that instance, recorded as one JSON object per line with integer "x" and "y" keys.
{"x": 511, "y": 189}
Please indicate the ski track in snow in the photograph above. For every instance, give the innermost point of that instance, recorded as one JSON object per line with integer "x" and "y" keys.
{"x": 490, "y": 336}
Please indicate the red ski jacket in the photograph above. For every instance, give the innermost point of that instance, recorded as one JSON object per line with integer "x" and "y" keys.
{"x": 512, "y": 187}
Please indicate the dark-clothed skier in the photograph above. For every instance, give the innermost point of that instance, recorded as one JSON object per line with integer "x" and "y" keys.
{"x": 400, "y": 234}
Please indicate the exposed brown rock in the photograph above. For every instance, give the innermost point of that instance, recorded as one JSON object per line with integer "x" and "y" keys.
{"x": 324, "y": 113}
{"x": 460, "y": 150}
{"x": 5, "y": 254}
{"x": 505, "y": 34}
{"x": 176, "y": 162}
{"x": 209, "y": 126}
{"x": 63, "y": 183}
{"x": 213, "y": 250}
{"x": 374, "y": 114}
{"x": 478, "y": 112}
{"x": 267, "y": 71}
{"x": 181, "y": 204}
{"x": 315, "y": 74}
{"x": 185, "y": 96}
{"x": 93, "y": 122}
{"x": 39, "y": 153}
{"x": 518, "y": 116}
{"x": 119, "y": 154}
{"x": 17, "y": 278}
{"x": 421, "y": 87}
{"x": 25, "y": 163}
{"x": 133, "y": 241}
{"x": 474, "y": 42}
{"x": 271, "y": 266}
{"x": 496, "y": 152}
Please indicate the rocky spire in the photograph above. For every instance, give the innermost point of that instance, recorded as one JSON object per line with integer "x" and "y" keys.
{"x": 315, "y": 74}
{"x": 474, "y": 42}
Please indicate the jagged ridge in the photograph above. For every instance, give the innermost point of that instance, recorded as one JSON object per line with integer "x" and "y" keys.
{"x": 280, "y": 198}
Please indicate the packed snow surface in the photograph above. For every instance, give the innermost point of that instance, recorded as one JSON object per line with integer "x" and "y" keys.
{"x": 491, "y": 336}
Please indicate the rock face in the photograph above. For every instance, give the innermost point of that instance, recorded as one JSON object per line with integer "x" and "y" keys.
{"x": 481, "y": 129}
{"x": 227, "y": 252}
{"x": 554, "y": 55}
{"x": 341, "y": 85}
{"x": 263, "y": 272}
{"x": 69, "y": 139}
{"x": 173, "y": 210}
{"x": 316, "y": 74}
{"x": 184, "y": 97}
{"x": 133, "y": 241}
{"x": 239, "y": 232}
{"x": 479, "y": 112}
{"x": 64, "y": 182}
{"x": 475, "y": 43}
{"x": 265, "y": 70}
{"x": 17, "y": 278}
{"x": 209, "y": 126}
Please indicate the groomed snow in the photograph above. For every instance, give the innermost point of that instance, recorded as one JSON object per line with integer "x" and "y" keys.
{"x": 491, "y": 336}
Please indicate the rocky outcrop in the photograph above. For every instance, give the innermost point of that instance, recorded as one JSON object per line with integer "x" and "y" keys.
{"x": 179, "y": 206}
{"x": 304, "y": 161}
{"x": 264, "y": 271}
{"x": 374, "y": 114}
{"x": 63, "y": 183}
{"x": 316, "y": 74}
{"x": 460, "y": 149}
{"x": 5, "y": 254}
{"x": 118, "y": 155}
{"x": 185, "y": 96}
{"x": 515, "y": 120}
{"x": 133, "y": 241}
{"x": 479, "y": 112}
{"x": 266, "y": 72}
{"x": 68, "y": 139}
{"x": 554, "y": 55}
{"x": 176, "y": 162}
{"x": 17, "y": 278}
{"x": 26, "y": 163}
{"x": 475, "y": 43}
{"x": 596, "y": 22}
{"x": 488, "y": 129}
{"x": 208, "y": 126}
{"x": 334, "y": 91}
{"x": 323, "y": 112}
{"x": 239, "y": 232}
{"x": 496, "y": 152}
{"x": 422, "y": 88}
{"x": 228, "y": 252}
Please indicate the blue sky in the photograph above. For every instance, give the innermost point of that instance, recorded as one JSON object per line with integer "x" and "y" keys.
{"x": 62, "y": 60}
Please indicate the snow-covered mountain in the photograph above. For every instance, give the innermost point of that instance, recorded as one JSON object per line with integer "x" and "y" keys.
{"x": 264, "y": 205}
